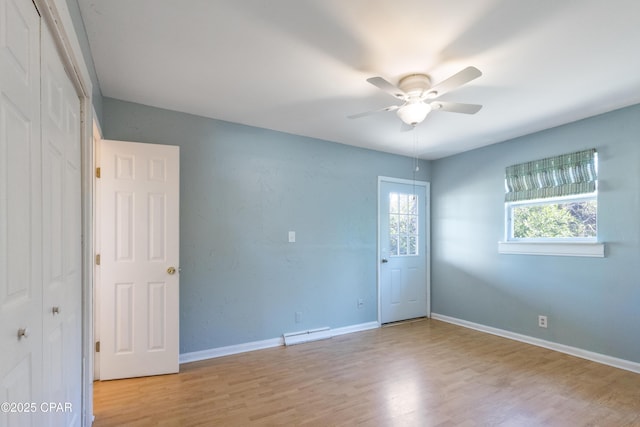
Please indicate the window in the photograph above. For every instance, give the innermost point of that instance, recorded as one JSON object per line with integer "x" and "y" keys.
{"x": 403, "y": 224}
{"x": 562, "y": 219}
{"x": 552, "y": 201}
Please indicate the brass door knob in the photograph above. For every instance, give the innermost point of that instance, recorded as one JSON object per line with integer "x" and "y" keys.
{"x": 171, "y": 270}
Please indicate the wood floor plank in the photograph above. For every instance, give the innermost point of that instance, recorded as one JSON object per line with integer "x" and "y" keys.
{"x": 422, "y": 373}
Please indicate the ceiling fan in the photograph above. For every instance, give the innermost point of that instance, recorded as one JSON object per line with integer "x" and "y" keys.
{"x": 419, "y": 96}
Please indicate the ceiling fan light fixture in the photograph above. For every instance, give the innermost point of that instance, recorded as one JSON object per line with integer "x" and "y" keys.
{"x": 413, "y": 113}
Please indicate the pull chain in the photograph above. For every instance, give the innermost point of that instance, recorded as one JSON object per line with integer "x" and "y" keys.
{"x": 416, "y": 166}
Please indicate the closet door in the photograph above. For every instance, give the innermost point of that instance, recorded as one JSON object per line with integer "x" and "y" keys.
{"x": 61, "y": 240}
{"x": 20, "y": 214}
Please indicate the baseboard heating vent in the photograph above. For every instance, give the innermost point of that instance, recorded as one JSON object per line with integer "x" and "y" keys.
{"x": 292, "y": 338}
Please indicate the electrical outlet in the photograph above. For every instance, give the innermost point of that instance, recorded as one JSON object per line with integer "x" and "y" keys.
{"x": 298, "y": 316}
{"x": 542, "y": 321}
{"x": 360, "y": 303}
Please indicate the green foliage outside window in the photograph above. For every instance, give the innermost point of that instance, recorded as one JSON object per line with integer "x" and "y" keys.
{"x": 555, "y": 220}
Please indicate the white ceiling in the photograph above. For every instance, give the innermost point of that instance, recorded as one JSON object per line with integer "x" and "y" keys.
{"x": 300, "y": 66}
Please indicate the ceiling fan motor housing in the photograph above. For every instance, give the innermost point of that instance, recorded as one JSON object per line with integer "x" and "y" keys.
{"x": 415, "y": 84}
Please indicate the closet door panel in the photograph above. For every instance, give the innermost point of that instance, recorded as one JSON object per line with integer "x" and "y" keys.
{"x": 20, "y": 213}
{"x": 61, "y": 239}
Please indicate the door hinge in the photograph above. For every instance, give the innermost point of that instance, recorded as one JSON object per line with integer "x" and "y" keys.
{"x": 97, "y": 172}
{"x": 97, "y": 259}
{"x": 97, "y": 346}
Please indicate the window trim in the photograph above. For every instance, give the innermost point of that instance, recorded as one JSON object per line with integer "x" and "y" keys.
{"x": 576, "y": 249}
{"x": 562, "y": 246}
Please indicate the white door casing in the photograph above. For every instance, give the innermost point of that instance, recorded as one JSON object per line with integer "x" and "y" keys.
{"x": 139, "y": 293}
{"x": 403, "y": 249}
{"x": 20, "y": 209}
{"x": 96, "y": 137}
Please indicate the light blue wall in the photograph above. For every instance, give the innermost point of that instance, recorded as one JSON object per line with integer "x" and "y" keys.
{"x": 591, "y": 303}
{"x": 242, "y": 190}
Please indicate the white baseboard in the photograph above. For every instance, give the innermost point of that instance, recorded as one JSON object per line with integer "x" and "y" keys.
{"x": 261, "y": 345}
{"x": 573, "y": 351}
{"x": 355, "y": 328}
{"x": 229, "y": 350}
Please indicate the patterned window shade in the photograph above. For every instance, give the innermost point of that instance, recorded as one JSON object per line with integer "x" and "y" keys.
{"x": 565, "y": 175}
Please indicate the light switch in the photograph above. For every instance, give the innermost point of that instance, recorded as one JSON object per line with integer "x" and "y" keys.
{"x": 292, "y": 237}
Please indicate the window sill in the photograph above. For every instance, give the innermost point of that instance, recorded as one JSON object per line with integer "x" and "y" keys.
{"x": 579, "y": 249}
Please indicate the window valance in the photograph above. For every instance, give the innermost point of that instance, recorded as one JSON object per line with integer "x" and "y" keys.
{"x": 564, "y": 175}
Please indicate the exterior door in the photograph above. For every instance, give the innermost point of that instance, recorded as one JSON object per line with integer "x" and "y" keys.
{"x": 139, "y": 199}
{"x": 20, "y": 211}
{"x": 403, "y": 258}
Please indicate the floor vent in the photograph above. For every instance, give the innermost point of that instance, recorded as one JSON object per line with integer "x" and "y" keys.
{"x": 292, "y": 338}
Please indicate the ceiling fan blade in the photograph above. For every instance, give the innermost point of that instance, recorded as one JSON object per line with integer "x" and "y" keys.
{"x": 455, "y": 107}
{"x": 457, "y": 80}
{"x": 392, "y": 90}
{"x": 368, "y": 113}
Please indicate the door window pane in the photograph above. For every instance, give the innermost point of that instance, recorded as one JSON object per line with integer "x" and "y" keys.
{"x": 403, "y": 224}
{"x": 402, "y": 249}
{"x": 412, "y": 225}
{"x": 393, "y": 224}
{"x": 404, "y": 203}
{"x": 393, "y": 244}
{"x": 413, "y": 205}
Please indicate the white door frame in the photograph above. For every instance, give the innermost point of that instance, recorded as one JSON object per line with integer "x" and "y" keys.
{"x": 56, "y": 14}
{"x": 427, "y": 226}
{"x": 95, "y": 303}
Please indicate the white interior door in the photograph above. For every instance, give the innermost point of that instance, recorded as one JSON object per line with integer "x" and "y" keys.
{"x": 139, "y": 188}
{"x": 403, "y": 258}
{"x": 20, "y": 210}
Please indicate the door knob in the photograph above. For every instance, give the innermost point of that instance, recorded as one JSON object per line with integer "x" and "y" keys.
{"x": 384, "y": 260}
{"x": 23, "y": 333}
{"x": 171, "y": 270}
{"x": 55, "y": 310}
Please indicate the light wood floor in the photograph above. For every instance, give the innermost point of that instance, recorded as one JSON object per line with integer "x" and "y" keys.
{"x": 424, "y": 373}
